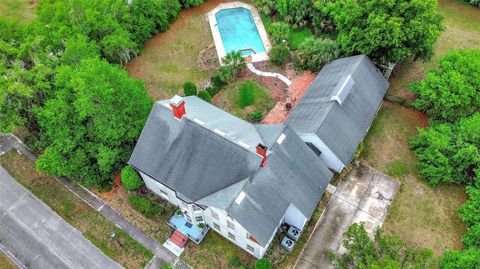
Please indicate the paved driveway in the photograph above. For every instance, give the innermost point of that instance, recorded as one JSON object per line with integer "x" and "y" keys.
{"x": 364, "y": 196}
{"x": 37, "y": 237}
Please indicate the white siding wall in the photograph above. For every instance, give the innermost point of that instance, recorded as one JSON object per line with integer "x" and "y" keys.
{"x": 294, "y": 217}
{"x": 241, "y": 235}
{"x": 327, "y": 155}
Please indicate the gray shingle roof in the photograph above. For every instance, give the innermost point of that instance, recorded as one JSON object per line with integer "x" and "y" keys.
{"x": 212, "y": 168}
{"x": 341, "y": 126}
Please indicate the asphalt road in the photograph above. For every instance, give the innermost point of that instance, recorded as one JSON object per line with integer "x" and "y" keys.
{"x": 37, "y": 237}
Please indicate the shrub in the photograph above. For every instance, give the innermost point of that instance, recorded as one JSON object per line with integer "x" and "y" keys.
{"x": 234, "y": 61}
{"x": 218, "y": 81}
{"x": 201, "y": 225}
{"x": 314, "y": 53}
{"x": 243, "y": 267}
{"x": 263, "y": 264}
{"x": 144, "y": 205}
{"x": 225, "y": 73}
{"x": 470, "y": 210}
{"x": 212, "y": 90}
{"x": 234, "y": 261}
{"x": 245, "y": 94}
{"x": 189, "y": 89}
{"x": 279, "y": 55}
{"x": 279, "y": 32}
{"x": 472, "y": 237}
{"x": 178, "y": 212}
{"x": 256, "y": 116}
{"x": 130, "y": 179}
{"x": 461, "y": 259}
{"x": 191, "y": 3}
{"x": 204, "y": 95}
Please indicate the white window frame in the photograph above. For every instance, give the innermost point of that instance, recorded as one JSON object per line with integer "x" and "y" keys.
{"x": 250, "y": 248}
{"x": 231, "y": 225}
{"x": 231, "y": 236}
{"x": 214, "y": 215}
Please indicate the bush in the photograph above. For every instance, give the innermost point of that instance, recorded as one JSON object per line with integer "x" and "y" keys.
{"x": 130, "y": 179}
{"x": 201, "y": 225}
{"x": 256, "y": 116}
{"x": 204, "y": 95}
{"x": 279, "y": 55}
{"x": 144, "y": 205}
{"x": 314, "y": 53}
{"x": 212, "y": 90}
{"x": 470, "y": 210}
{"x": 263, "y": 264}
{"x": 234, "y": 62}
{"x": 218, "y": 81}
{"x": 191, "y": 3}
{"x": 234, "y": 261}
{"x": 472, "y": 237}
{"x": 245, "y": 94}
{"x": 189, "y": 89}
{"x": 279, "y": 32}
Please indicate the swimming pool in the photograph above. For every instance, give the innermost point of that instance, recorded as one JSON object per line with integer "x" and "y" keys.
{"x": 238, "y": 31}
{"x": 237, "y": 26}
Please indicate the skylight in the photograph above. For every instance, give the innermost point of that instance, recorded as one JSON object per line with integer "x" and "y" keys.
{"x": 281, "y": 138}
{"x": 343, "y": 88}
{"x": 240, "y": 198}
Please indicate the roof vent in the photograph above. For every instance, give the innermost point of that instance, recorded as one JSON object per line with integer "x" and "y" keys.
{"x": 343, "y": 88}
{"x": 240, "y": 198}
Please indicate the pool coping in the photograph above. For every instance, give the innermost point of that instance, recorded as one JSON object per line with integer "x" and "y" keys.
{"x": 255, "y": 57}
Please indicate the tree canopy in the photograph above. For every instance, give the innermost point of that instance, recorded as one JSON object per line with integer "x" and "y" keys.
{"x": 389, "y": 31}
{"x": 452, "y": 91}
{"x": 383, "y": 252}
{"x": 92, "y": 122}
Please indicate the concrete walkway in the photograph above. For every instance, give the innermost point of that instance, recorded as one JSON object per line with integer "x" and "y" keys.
{"x": 364, "y": 196}
{"x": 39, "y": 238}
{"x": 283, "y": 78}
{"x": 9, "y": 142}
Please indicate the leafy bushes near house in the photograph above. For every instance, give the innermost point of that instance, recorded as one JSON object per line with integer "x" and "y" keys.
{"x": 263, "y": 264}
{"x": 381, "y": 252}
{"x": 191, "y": 3}
{"x": 279, "y": 32}
{"x": 256, "y": 116}
{"x": 234, "y": 63}
{"x": 189, "y": 89}
{"x": 245, "y": 94}
{"x": 314, "y": 53}
{"x": 204, "y": 95}
{"x": 279, "y": 54}
{"x": 234, "y": 261}
{"x": 144, "y": 205}
{"x": 130, "y": 179}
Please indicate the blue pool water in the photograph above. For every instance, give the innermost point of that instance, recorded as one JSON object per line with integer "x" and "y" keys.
{"x": 238, "y": 30}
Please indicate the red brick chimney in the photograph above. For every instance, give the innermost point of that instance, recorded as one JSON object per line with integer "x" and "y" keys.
{"x": 178, "y": 106}
{"x": 262, "y": 151}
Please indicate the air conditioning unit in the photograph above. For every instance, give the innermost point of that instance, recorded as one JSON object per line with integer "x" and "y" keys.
{"x": 288, "y": 243}
{"x": 293, "y": 233}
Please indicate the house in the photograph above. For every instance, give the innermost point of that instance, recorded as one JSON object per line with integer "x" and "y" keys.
{"x": 239, "y": 179}
{"x": 245, "y": 180}
{"x": 337, "y": 110}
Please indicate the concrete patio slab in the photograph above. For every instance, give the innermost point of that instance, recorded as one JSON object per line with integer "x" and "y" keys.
{"x": 362, "y": 197}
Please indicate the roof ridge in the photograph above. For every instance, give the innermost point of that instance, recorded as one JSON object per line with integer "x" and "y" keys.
{"x": 331, "y": 103}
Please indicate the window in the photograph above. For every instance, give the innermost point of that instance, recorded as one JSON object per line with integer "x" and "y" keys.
{"x": 314, "y": 149}
{"x": 188, "y": 217}
{"x": 231, "y": 236}
{"x": 230, "y": 225}
{"x": 214, "y": 215}
{"x": 250, "y": 248}
{"x": 216, "y": 226}
{"x": 198, "y": 218}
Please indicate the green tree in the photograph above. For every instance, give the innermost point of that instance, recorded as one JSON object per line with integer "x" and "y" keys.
{"x": 387, "y": 31}
{"x": 449, "y": 152}
{"x": 234, "y": 62}
{"x": 205, "y": 96}
{"x": 130, "y": 179}
{"x": 314, "y": 53}
{"x": 279, "y": 32}
{"x": 78, "y": 48}
{"x": 453, "y": 91}
{"x": 461, "y": 259}
{"x": 472, "y": 237}
{"x": 189, "y": 88}
{"x": 470, "y": 210}
{"x": 382, "y": 252}
{"x": 279, "y": 54}
{"x": 92, "y": 123}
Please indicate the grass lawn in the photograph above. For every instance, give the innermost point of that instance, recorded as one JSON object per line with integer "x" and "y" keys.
{"x": 170, "y": 59}
{"x": 5, "y": 262}
{"x": 17, "y": 10}
{"x": 94, "y": 226}
{"x": 227, "y": 99}
{"x": 422, "y": 215}
{"x": 462, "y": 30}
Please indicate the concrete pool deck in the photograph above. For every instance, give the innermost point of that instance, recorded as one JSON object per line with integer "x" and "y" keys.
{"x": 256, "y": 57}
